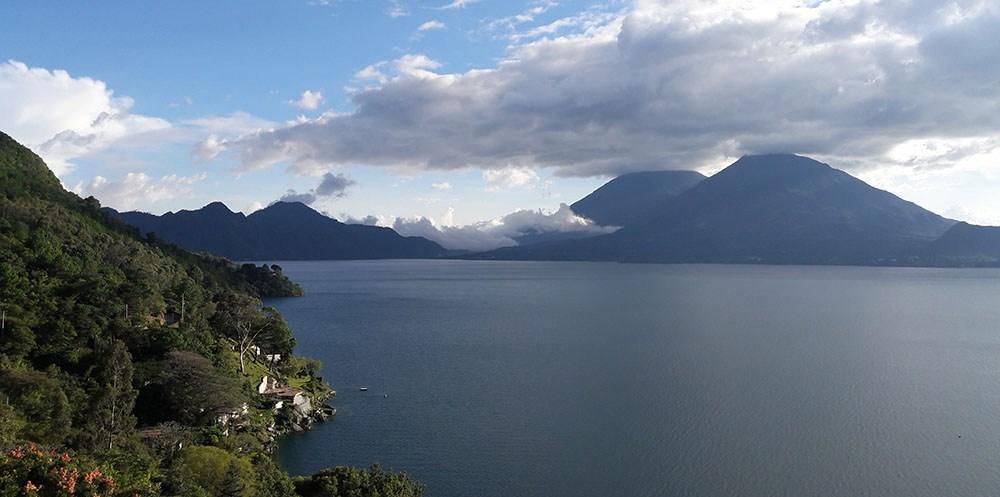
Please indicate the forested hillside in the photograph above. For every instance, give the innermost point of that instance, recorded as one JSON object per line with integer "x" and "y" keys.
{"x": 131, "y": 367}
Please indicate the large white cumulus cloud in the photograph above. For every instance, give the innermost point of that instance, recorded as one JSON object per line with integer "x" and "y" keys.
{"x": 64, "y": 117}
{"x": 502, "y": 232}
{"x": 676, "y": 84}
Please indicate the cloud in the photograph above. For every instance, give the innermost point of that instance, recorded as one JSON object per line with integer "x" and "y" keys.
{"x": 64, "y": 117}
{"x": 307, "y": 198}
{"x": 138, "y": 188}
{"x": 457, "y": 4}
{"x": 217, "y": 127}
{"x": 416, "y": 65}
{"x": 395, "y": 9}
{"x": 509, "y": 177}
{"x": 368, "y": 220}
{"x": 675, "y": 85}
{"x": 444, "y": 185}
{"x": 588, "y": 19}
{"x": 451, "y": 237}
{"x": 982, "y": 218}
{"x": 230, "y": 124}
{"x": 207, "y": 149}
{"x": 186, "y": 101}
{"x": 373, "y": 71}
{"x": 562, "y": 220}
{"x": 410, "y": 64}
{"x": 511, "y": 23}
{"x": 331, "y": 186}
{"x": 430, "y": 25}
{"x": 310, "y": 100}
{"x": 501, "y": 232}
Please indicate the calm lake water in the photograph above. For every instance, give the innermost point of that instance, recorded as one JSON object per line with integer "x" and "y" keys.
{"x": 522, "y": 379}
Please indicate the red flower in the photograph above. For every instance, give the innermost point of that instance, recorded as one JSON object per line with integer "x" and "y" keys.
{"x": 67, "y": 479}
{"x": 91, "y": 476}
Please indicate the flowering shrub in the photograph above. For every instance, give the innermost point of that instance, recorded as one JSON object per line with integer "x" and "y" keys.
{"x": 29, "y": 471}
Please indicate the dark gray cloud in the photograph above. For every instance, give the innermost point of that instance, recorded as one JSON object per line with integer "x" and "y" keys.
{"x": 331, "y": 186}
{"x": 676, "y": 84}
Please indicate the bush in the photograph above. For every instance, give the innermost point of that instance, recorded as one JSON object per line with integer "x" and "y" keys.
{"x": 216, "y": 471}
{"x": 11, "y": 424}
{"x": 31, "y": 471}
{"x": 41, "y": 402}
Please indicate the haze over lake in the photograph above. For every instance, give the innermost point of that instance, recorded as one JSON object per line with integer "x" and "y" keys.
{"x": 583, "y": 379}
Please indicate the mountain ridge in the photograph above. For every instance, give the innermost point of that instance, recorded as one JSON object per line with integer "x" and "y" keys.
{"x": 775, "y": 208}
{"x": 280, "y": 231}
{"x": 967, "y": 244}
{"x": 622, "y": 199}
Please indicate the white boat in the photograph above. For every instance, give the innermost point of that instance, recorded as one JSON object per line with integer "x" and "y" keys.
{"x": 363, "y": 389}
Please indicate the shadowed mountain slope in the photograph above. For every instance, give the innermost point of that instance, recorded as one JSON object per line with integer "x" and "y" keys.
{"x": 764, "y": 209}
{"x": 965, "y": 245}
{"x": 629, "y": 196}
{"x": 281, "y": 231}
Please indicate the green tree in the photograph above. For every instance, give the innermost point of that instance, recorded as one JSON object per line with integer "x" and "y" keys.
{"x": 115, "y": 398}
{"x": 41, "y": 401}
{"x": 194, "y": 388}
{"x": 16, "y": 341}
{"x": 232, "y": 483}
{"x": 171, "y": 438}
{"x": 343, "y": 481}
{"x": 239, "y": 318}
{"x": 176, "y": 484}
{"x": 271, "y": 480}
{"x": 11, "y": 424}
{"x": 216, "y": 471}
{"x": 277, "y": 337}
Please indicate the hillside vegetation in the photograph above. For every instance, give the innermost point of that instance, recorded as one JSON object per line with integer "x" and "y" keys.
{"x": 129, "y": 366}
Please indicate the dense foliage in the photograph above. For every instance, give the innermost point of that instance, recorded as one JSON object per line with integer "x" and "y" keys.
{"x": 29, "y": 470}
{"x": 348, "y": 482}
{"x": 126, "y": 353}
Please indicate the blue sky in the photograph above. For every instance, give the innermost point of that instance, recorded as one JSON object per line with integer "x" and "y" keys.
{"x": 246, "y": 55}
{"x": 442, "y": 117}
{"x": 189, "y": 60}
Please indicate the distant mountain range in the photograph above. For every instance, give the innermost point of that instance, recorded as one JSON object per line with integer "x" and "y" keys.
{"x": 968, "y": 243}
{"x": 281, "y": 231}
{"x": 776, "y": 209}
{"x": 780, "y": 209}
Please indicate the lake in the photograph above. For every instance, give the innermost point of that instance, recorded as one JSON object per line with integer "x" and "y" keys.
{"x": 524, "y": 379}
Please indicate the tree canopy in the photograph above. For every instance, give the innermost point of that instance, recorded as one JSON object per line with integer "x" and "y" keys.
{"x": 117, "y": 353}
